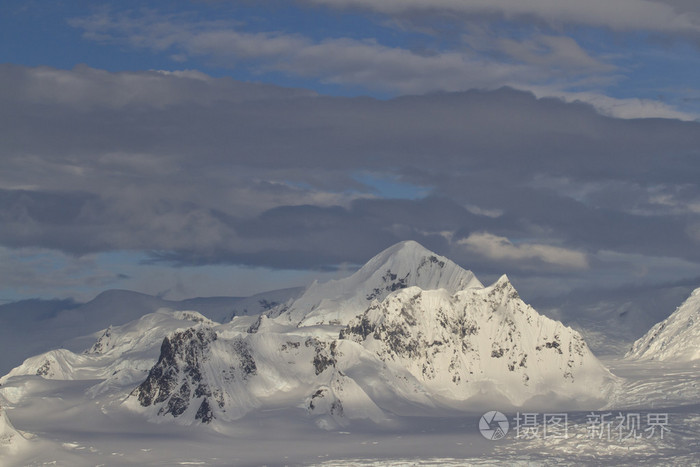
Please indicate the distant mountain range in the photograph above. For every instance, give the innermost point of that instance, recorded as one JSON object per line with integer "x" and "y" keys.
{"x": 33, "y": 326}
{"x": 410, "y": 333}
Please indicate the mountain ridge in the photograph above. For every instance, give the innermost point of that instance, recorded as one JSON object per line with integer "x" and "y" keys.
{"x": 410, "y": 333}
{"x": 675, "y": 338}
{"x": 402, "y": 265}
{"x": 72, "y": 325}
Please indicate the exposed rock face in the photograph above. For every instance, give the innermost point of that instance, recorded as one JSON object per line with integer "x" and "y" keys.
{"x": 103, "y": 343}
{"x": 341, "y": 399}
{"x": 121, "y": 357}
{"x": 202, "y": 376}
{"x": 177, "y": 377}
{"x": 676, "y": 338}
{"x": 450, "y": 341}
{"x": 183, "y": 374}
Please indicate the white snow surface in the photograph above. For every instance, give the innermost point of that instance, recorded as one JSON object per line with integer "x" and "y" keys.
{"x": 26, "y": 330}
{"x": 121, "y": 355}
{"x": 405, "y": 264}
{"x": 480, "y": 341}
{"x": 677, "y": 338}
{"x": 11, "y": 440}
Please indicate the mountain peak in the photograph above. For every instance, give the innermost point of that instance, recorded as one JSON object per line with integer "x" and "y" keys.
{"x": 408, "y": 246}
{"x": 675, "y": 338}
{"x": 503, "y": 280}
{"x": 412, "y": 258}
{"x": 110, "y": 294}
{"x": 408, "y": 251}
{"x": 405, "y": 264}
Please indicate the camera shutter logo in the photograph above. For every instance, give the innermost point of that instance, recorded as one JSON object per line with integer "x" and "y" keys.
{"x": 493, "y": 425}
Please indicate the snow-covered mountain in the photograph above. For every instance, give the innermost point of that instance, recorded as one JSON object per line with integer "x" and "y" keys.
{"x": 63, "y": 323}
{"x": 411, "y": 333}
{"x": 457, "y": 345}
{"x": 676, "y": 338}
{"x": 417, "y": 348}
{"x": 406, "y": 264}
{"x": 410, "y": 330}
{"x": 119, "y": 360}
{"x": 10, "y": 439}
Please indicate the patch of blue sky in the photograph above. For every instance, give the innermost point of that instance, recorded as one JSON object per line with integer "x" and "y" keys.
{"x": 40, "y": 29}
{"x": 34, "y": 34}
{"x": 321, "y": 86}
{"x": 39, "y": 34}
{"x": 648, "y": 67}
{"x": 316, "y": 23}
{"x": 668, "y": 73}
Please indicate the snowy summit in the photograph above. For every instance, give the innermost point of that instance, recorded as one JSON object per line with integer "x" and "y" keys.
{"x": 410, "y": 333}
{"x": 406, "y": 264}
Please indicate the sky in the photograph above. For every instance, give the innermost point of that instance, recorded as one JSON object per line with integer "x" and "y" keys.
{"x": 199, "y": 148}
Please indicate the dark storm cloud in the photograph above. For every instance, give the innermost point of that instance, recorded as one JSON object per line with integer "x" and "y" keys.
{"x": 624, "y": 313}
{"x": 205, "y": 170}
{"x": 316, "y": 237}
{"x": 506, "y": 130}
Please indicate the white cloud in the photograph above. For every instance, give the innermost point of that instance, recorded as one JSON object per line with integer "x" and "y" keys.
{"x": 693, "y": 231}
{"x": 525, "y": 64}
{"x": 479, "y": 211}
{"x": 617, "y": 107}
{"x": 501, "y": 249}
{"x": 346, "y": 61}
{"x": 553, "y": 51}
{"x": 88, "y": 88}
{"x": 270, "y": 183}
{"x": 621, "y": 15}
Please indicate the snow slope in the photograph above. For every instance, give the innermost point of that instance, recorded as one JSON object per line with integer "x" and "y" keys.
{"x": 405, "y": 264}
{"x": 479, "y": 341}
{"x": 677, "y": 338}
{"x": 11, "y": 440}
{"x": 201, "y": 376}
{"x": 119, "y": 358}
{"x": 31, "y": 327}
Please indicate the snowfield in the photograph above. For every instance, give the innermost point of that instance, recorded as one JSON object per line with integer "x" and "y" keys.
{"x": 394, "y": 365}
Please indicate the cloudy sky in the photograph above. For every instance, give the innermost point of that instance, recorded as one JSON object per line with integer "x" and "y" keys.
{"x": 193, "y": 148}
